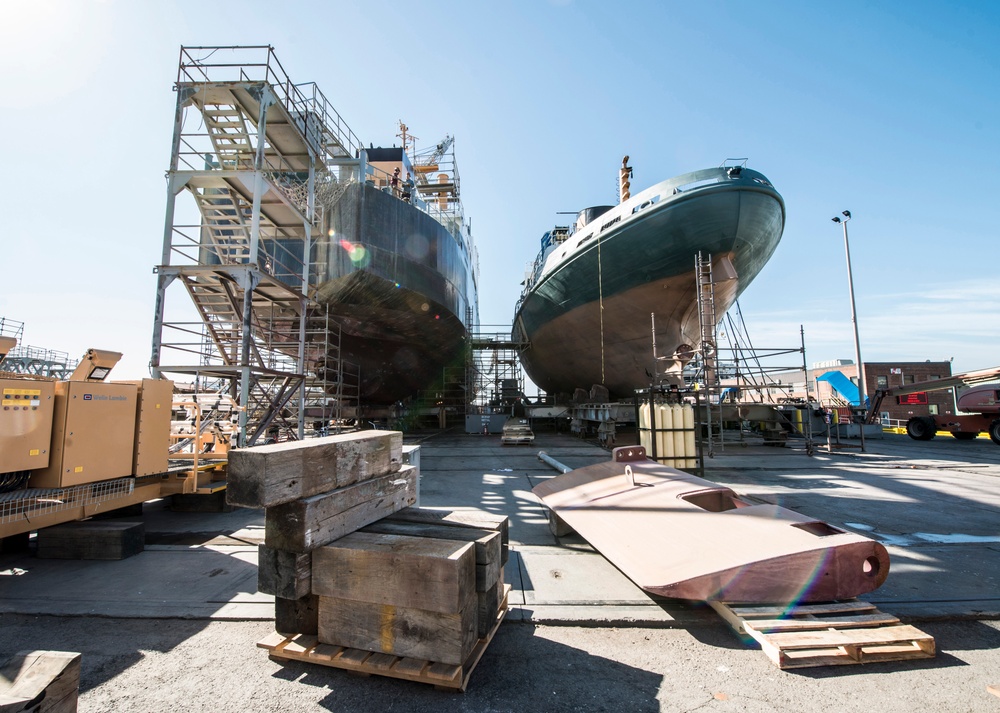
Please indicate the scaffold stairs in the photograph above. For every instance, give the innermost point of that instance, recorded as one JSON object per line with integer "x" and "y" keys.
{"x": 230, "y": 136}
{"x": 226, "y": 215}
{"x": 219, "y": 304}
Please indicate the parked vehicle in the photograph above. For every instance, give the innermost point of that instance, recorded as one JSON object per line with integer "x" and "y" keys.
{"x": 980, "y": 406}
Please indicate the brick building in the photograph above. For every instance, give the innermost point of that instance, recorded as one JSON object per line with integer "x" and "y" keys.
{"x": 883, "y": 375}
{"x": 878, "y": 375}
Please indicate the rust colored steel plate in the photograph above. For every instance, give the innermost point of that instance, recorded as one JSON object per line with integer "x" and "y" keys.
{"x": 676, "y": 535}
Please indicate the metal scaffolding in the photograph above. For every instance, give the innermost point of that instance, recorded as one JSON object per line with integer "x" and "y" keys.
{"x": 495, "y": 373}
{"x": 255, "y": 156}
{"x": 35, "y": 361}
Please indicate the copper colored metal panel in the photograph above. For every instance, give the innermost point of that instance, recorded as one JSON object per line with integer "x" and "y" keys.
{"x": 26, "y": 408}
{"x": 92, "y": 434}
{"x": 152, "y": 427}
{"x": 677, "y": 535}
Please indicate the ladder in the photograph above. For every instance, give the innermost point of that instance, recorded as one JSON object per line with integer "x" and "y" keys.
{"x": 707, "y": 318}
{"x": 707, "y": 322}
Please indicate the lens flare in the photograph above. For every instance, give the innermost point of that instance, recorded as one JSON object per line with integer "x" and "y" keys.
{"x": 357, "y": 252}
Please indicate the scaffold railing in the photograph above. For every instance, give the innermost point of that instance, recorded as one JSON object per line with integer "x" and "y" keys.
{"x": 319, "y": 123}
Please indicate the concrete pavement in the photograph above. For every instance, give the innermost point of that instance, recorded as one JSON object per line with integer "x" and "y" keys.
{"x": 936, "y": 505}
{"x": 173, "y": 628}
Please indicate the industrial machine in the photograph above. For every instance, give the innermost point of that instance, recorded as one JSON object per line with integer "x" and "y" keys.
{"x": 981, "y": 404}
{"x": 26, "y": 413}
{"x": 70, "y": 448}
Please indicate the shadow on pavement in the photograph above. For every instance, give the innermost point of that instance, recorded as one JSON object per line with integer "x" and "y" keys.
{"x": 520, "y": 671}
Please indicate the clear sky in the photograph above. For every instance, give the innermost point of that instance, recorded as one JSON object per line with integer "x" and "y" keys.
{"x": 889, "y": 110}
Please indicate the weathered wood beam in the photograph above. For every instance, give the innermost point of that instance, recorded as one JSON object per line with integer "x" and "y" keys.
{"x": 398, "y": 630}
{"x": 486, "y": 543}
{"x": 265, "y": 476}
{"x": 303, "y": 525}
{"x": 397, "y": 570}
{"x": 463, "y": 518}
{"x": 283, "y": 574}
{"x": 40, "y": 682}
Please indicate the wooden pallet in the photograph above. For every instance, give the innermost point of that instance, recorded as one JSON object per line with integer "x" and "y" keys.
{"x": 302, "y": 647}
{"x": 828, "y": 634}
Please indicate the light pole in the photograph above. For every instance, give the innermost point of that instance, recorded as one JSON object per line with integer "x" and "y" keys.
{"x": 854, "y": 319}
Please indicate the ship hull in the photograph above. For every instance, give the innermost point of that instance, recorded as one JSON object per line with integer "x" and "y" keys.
{"x": 588, "y": 318}
{"x": 402, "y": 290}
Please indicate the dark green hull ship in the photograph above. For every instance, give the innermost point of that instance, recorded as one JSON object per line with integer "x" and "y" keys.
{"x": 587, "y": 305}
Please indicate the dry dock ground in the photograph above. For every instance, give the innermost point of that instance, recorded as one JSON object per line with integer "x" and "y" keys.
{"x": 174, "y": 628}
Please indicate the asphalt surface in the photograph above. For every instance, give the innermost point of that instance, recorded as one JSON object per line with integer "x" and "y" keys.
{"x": 174, "y": 627}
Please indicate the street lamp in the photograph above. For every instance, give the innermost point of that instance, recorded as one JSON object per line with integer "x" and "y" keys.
{"x": 854, "y": 319}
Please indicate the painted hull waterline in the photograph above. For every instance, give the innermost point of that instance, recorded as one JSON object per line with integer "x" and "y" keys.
{"x": 586, "y": 309}
{"x": 676, "y": 535}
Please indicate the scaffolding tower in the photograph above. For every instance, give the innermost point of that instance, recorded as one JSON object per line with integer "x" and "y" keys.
{"x": 496, "y": 377}
{"x": 256, "y": 156}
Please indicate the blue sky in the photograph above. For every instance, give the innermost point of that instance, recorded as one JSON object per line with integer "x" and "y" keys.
{"x": 886, "y": 109}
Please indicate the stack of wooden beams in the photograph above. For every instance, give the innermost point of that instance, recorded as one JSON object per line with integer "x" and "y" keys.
{"x": 350, "y": 563}
{"x": 313, "y": 492}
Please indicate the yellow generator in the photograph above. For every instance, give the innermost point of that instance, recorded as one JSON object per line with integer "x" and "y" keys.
{"x": 84, "y": 429}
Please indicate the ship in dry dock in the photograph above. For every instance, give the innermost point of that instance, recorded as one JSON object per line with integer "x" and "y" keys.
{"x": 398, "y": 272}
{"x": 325, "y": 285}
{"x": 587, "y": 302}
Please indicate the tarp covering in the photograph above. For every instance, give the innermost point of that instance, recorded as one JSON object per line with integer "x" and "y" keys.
{"x": 846, "y": 388}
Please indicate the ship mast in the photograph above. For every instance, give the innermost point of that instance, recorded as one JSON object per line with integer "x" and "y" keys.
{"x": 404, "y": 136}
{"x": 624, "y": 176}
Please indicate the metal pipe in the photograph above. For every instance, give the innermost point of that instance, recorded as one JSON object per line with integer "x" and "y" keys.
{"x": 854, "y": 319}
{"x": 857, "y": 339}
{"x": 549, "y": 460}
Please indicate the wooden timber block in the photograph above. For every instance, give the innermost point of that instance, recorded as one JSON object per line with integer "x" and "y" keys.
{"x": 302, "y": 647}
{"x": 827, "y": 634}
{"x": 558, "y": 526}
{"x": 461, "y": 518}
{"x": 304, "y": 525}
{"x": 264, "y": 476}
{"x": 91, "y": 540}
{"x": 410, "y": 632}
{"x": 398, "y": 571}
{"x": 488, "y": 605}
{"x": 40, "y": 682}
{"x": 487, "y": 544}
{"x": 296, "y": 616}
{"x": 283, "y": 574}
